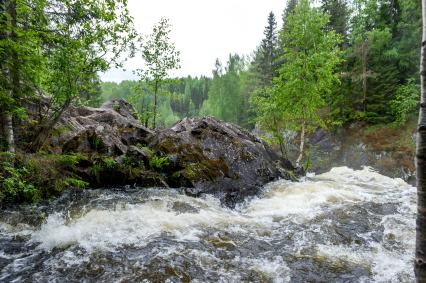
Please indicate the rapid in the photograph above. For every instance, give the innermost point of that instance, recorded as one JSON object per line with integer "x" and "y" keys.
{"x": 341, "y": 226}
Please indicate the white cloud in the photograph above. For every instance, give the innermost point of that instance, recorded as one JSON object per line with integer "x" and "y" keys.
{"x": 202, "y": 30}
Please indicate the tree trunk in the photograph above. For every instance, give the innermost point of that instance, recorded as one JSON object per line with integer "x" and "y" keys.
{"x": 13, "y": 76}
{"x": 44, "y": 131}
{"x": 364, "y": 55}
{"x": 9, "y": 132}
{"x": 280, "y": 139}
{"x": 420, "y": 256}
{"x": 302, "y": 144}
{"x": 155, "y": 102}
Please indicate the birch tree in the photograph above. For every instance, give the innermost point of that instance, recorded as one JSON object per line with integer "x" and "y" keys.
{"x": 420, "y": 256}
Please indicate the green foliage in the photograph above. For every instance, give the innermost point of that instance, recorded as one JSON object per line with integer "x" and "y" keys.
{"x": 160, "y": 57}
{"x": 307, "y": 76}
{"x": 184, "y": 98}
{"x": 405, "y": 102}
{"x": 71, "y": 160}
{"x": 14, "y": 184}
{"x": 31, "y": 177}
{"x": 159, "y": 163}
{"x": 225, "y": 100}
{"x": 109, "y": 162}
{"x": 75, "y": 183}
{"x": 58, "y": 54}
{"x": 265, "y": 63}
{"x": 102, "y": 164}
{"x": 95, "y": 142}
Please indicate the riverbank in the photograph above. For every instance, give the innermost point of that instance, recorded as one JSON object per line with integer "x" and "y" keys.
{"x": 389, "y": 149}
{"x": 107, "y": 146}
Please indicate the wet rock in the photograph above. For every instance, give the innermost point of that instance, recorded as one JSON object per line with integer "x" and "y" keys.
{"x": 141, "y": 154}
{"x": 218, "y": 158}
{"x": 110, "y": 130}
{"x": 385, "y": 149}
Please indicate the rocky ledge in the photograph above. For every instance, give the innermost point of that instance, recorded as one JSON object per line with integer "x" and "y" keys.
{"x": 200, "y": 155}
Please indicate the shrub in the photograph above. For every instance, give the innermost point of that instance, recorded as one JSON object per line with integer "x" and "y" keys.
{"x": 14, "y": 184}
{"x": 405, "y": 102}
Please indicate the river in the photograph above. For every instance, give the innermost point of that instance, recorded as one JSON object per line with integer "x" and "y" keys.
{"x": 342, "y": 226}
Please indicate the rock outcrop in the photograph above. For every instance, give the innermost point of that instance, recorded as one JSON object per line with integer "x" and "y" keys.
{"x": 210, "y": 156}
{"x": 110, "y": 129}
{"x": 199, "y": 155}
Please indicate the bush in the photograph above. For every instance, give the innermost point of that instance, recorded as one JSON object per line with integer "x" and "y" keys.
{"x": 31, "y": 177}
{"x": 405, "y": 102}
{"x": 14, "y": 184}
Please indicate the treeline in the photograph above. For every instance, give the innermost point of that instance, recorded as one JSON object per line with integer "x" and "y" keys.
{"x": 327, "y": 65}
{"x": 179, "y": 98}
{"x": 225, "y": 96}
{"x": 367, "y": 70}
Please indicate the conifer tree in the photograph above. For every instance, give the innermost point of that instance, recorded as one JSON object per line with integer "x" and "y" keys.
{"x": 266, "y": 56}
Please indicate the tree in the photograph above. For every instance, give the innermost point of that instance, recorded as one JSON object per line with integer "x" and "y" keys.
{"x": 339, "y": 17}
{"x": 21, "y": 59}
{"x": 308, "y": 75}
{"x": 160, "y": 56}
{"x": 420, "y": 256}
{"x": 90, "y": 94}
{"x": 266, "y": 56}
{"x": 225, "y": 100}
{"x": 84, "y": 37}
{"x": 291, "y": 5}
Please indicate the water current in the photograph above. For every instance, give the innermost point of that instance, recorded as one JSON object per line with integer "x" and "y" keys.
{"x": 342, "y": 226}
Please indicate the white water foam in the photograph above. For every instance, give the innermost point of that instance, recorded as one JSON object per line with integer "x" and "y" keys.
{"x": 294, "y": 202}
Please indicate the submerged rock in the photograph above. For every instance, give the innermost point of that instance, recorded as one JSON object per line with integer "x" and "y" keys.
{"x": 211, "y": 156}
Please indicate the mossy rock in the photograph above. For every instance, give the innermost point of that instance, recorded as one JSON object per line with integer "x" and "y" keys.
{"x": 219, "y": 158}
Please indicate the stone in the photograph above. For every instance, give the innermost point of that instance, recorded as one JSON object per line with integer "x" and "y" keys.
{"x": 215, "y": 157}
{"x": 109, "y": 130}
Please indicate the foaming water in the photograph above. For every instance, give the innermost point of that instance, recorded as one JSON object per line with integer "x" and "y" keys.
{"x": 341, "y": 226}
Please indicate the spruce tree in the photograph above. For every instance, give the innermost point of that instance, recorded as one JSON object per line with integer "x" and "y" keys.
{"x": 339, "y": 14}
{"x": 266, "y": 57}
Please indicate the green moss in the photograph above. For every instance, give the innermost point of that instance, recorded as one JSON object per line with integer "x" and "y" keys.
{"x": 95, "y": 142}
{"x": 176, "y": 175}
{"x": 169, "y": 145}
{"x": 192, "y": 171}
{"x": 75, "y": 183}
{"x": 60, "y": 131}
{"x": 206, "y": 169}
{"x": 71, "y": 160}
{"x": 159, "y": 164}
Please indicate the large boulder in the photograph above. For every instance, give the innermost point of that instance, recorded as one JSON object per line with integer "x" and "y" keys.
{"x": 110, "y": 129}
{"x": 211, "y": 156}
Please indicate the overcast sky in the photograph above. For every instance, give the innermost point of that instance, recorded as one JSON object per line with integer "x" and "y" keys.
{"x": 202, "y": 30}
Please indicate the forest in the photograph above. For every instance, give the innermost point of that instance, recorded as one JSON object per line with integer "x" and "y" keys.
{"x": 295, "y": 163}
{"x": 327, "y": 66}
{"x": 361, "y": 64}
